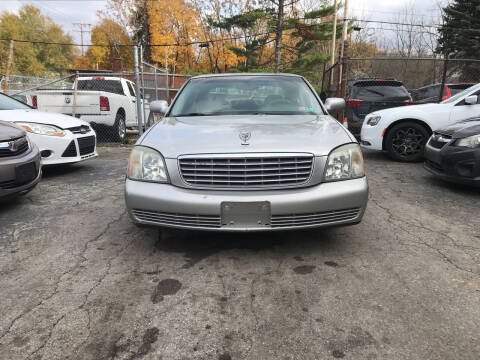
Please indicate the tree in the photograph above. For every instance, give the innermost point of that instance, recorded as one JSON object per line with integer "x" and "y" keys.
{"x": 35, "y": 59}
{"x": 174, "y": 22}
{"x": 460, "y": 34}
{"x": 133, "y": 16}
{"x": 255, "y": 26}
{"x": 110, "y": 37}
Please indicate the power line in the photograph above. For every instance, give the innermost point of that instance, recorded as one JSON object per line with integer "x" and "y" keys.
{"x": 152, "y": 45}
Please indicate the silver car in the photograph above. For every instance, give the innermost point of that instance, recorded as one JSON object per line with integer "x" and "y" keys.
{"x": 241, "y": 152}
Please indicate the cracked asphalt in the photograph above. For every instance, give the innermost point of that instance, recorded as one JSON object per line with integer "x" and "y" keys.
{"x": 79, "y": 281}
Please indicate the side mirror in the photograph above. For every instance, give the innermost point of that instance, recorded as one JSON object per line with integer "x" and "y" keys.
{"x": 335, "y": 104}
{"x": 159, "y": 106}
{"x": 471, "y": 100}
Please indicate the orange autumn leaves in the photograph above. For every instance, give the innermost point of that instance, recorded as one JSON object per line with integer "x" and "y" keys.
{"x": 179, "y": 22}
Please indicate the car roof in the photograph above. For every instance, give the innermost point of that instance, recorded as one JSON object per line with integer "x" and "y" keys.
{"x": 448, "y": 84}
{"x": 245, "y": 75}
{"x": 100, "y": 78}
{"x": 356, "y": 81}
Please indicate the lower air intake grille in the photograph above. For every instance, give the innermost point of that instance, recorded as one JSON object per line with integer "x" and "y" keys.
{"x": 293, "y": 220}
{"x": 438, "y": 141}
{"x": 246, "y": 171}
{"x": 71, "y": 150}
{"x": 159, "y": 218}
{"x": 86, "y": 145}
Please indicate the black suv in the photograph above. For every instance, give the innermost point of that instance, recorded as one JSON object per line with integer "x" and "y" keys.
{"x": 431, "y": 93}
{"x": 369, "y": 95}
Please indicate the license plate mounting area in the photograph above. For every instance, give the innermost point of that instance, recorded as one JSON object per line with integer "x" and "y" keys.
{"x": 246, "y": 214}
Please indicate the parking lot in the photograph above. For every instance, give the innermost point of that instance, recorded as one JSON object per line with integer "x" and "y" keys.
{"x": 80, "y": 281}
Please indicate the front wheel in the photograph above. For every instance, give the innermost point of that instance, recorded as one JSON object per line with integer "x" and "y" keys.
{"x": 406, "y": 142}
{"x": 119, "y": 129}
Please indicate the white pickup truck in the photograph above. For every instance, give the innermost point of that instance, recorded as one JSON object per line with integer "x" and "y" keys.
{"x": 102, "y": 101}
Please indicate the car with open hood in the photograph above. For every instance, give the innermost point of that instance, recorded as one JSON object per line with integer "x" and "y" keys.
{"x": 20, "y": 168}
{"x": 453, "y": 152}
{"x": 61, "y": 139}
{"x": 240, "y": 152}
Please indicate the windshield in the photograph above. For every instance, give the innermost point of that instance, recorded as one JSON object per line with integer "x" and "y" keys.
{"x": 379, "y": 90}
{"x": 111, "y": 86}
{"x": 246, "y": 95}
{"x": 461, "y": 94}
{"x": 8, "y": 103}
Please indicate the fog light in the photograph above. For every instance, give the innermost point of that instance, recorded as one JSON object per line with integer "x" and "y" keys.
{"x": 45, "y": 153}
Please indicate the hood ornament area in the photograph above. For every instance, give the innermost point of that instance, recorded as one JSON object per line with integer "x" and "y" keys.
{"x": 245, "y": 136}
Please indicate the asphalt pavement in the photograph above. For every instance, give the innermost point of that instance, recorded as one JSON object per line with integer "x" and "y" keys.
{"x": 79, "y": 281}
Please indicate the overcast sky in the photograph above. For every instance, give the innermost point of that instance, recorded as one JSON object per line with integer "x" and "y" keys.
{"x": 67, "y": 12}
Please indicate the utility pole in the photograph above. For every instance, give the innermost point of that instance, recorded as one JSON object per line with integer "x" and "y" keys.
{"x": 81, "y": 31}
{"x": 334, "y": 35}
{"x": 344, "y": 35}
{"x": 334, "y": 38}
{"x": 278, "y": 35}
{"x": 9, "y": 67}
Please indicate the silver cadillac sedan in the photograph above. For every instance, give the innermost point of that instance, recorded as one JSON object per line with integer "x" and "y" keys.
{"x": 246, "y": 152}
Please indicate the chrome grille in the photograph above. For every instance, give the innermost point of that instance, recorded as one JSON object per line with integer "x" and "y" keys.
{"x": 13, "y": 147}
{"x": 246, "y": 171}
{"x": 292, "y": 220}
{"x": 160, "y": 218}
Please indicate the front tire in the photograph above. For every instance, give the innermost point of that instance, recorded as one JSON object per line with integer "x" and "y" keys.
{"x": 406, "y": 142}
{"x": 118, "y": 131}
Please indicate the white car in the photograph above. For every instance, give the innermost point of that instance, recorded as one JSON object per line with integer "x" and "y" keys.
{"x": 61, "y": 139}
{"x": 402, "y": 132}
{"x": 102, "y": 101}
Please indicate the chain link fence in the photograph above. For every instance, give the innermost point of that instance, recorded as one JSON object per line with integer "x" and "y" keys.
{"x": 420, "y": 76}
{"x": 373, "y": 84}
{"x": 106, "y": 99}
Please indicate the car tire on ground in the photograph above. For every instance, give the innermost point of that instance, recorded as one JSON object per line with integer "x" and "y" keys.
{"x": 118, "y": 131}
{"x": 406, "y": 141}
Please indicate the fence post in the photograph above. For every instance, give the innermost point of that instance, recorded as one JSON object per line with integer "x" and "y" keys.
{"x": 156, "y": 84}
{"x": 166, "y": 71}
{"x": 444, "y": 77}
{"x": 9, "y": 67}
{"x": 75, "y": 86}
{"x": 137, "y": 90}
{"x": 343, "y": 80}
{"x": 142, "y": 67}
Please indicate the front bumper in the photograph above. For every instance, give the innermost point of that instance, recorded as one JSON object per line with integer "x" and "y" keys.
{"x": 8, "y": 180}
{"x": 55, "y": 148}
{"x": 454, "y": 164}
{"x": 371, "y": 137}
{"x": 327, "y": 204}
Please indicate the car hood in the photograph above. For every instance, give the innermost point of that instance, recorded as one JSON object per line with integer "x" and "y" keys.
{"x": 41, "y": 117}
{"x": 401, "y": 110}
{"x": 316, "y": 134}
{"x": 10, "y": 131}
{"x": 461, "y": 129}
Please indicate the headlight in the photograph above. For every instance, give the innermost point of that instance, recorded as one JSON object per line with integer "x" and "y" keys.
{"x": 345, "y": 163}
{"x": 470, "y": 142}
{"x": 374, "y": 120}
{"x": 147, "y": 164}
{"x": 41, "y": 129}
